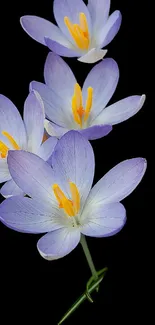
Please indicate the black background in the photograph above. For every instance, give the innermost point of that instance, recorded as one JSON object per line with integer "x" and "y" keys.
{"x": 32, "y": 288}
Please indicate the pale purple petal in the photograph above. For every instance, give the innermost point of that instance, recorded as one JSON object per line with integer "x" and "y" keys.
{"x": 73, "y": 161}
{"x": 62, "y": 50}
{"x": 96, "y": 131}
{"x": 32, "y": 174}
{"x": 103, "y": 220}
{"x": 54, "y": 129}
{"x": 11, "y": 122}
{"x": 34, "y": 120}
{"x": 99, "y": 12}
{"x": 53, "y": 104}
{"x": 4, "y": 171}
{"x": 60, "y": 78}
{"x": 71, "y": 9}
{"x": 92, "y": 56}
{"x": 10, "y": 188}
{"x": 103, "y": 78}
{"x": 120, "y": 111}
{"x": 27, "y": 215}
{"x": 118, "y": 183}
{"x": 110, "y": 29}
{"x": 46, "y": 149}
{"x": 38, "y": 28}
{"x": 58, "y": 243}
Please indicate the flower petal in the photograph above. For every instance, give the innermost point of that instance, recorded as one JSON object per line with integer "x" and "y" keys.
{"x": 10, "y": 188}
{"x": 103, "y": 220}
{"x": 71, "y": 9}
{"x": 32, "y": 174}
{"x": 38, "y": 28}
{"x": 53, "y": 103}
{"x": 110, "y": 29}
{"x": 11, "y": 121}
{"x": 34, "y": 120}
{"x": 96, "y": 131}
{"x": 27, "y": 215}
{"x": 73, "y": 160}
{"x": 54, "y": 129}
{"x": 4, "y": 171}
{"x": 60, "y": 78}
{"x": 46, "y": 149}
{"x": 120, "y": 111}
{"x": 63, "y": 50}
{"x": 99, "y": 12}
{"x": 58, "y": 243}
{"x": 103, "y": 78}
{"x": 119, "y": 182}
{"x": 92, "y": 56}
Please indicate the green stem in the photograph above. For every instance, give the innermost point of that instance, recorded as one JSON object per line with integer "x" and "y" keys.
{"x": 88, "y": 257}
{"x": 82, "y": 298}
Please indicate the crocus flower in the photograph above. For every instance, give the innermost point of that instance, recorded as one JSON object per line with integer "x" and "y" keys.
{"x": 82, "y": 30}
{"x": 62, "y": 202}
{"x": 68, "y": 107}
{"x": 16, "y": 134}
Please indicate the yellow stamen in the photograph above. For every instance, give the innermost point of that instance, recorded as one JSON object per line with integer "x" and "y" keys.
{"x": 88, "y": 103}
{"x": 77, "y": 108}
{"x": 80, "y": 33}
{"x": 77, "y": 104}
{"x": 11, "y": 140}
{"x": 75, "y": 197}
{"x": 78, "y": 94}
{"x": 4, "y": 148}
{"x": 71, "y": 207}
{"x": 75, "y": 112}
{"x": 84, "y": 24}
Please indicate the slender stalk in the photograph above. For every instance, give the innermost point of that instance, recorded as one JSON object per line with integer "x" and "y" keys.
{"x": 88, "y": 257}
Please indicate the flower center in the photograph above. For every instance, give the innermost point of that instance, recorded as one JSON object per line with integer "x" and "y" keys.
{"x": 4, "y": 148}
{"x": 79, "y": 113}
{"x": 71, "y": 207}
{"x": 79, "y": 32}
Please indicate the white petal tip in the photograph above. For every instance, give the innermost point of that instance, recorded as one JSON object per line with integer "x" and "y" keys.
{"x": 145, "y": 163}
{"x": 142, "y": 100}
{"x": 93, "y": 56}
{"x": 49, "y": 129}
{"x": 46, "y": 257}
{"x": 21, "y": 20}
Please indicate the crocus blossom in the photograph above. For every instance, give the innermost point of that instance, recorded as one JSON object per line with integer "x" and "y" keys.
{"x": 82, "y": 30}
{"x": 16, "y": 134}
{"x": 68, "y": 107}
{"x": 62, "y": 202}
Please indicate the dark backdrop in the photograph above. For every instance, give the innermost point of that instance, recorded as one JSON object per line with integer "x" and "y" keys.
{"x": 32, "y": 288}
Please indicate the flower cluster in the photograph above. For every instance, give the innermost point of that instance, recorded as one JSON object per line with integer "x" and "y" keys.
{"x": 48, "y": 182}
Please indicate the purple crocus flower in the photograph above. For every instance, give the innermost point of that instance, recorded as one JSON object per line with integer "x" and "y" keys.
{"x": 16, "y": 134}
{"x": 68, "y": 107}
{"x": 62, "y": 202}
{"x": 82, "y": 30}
